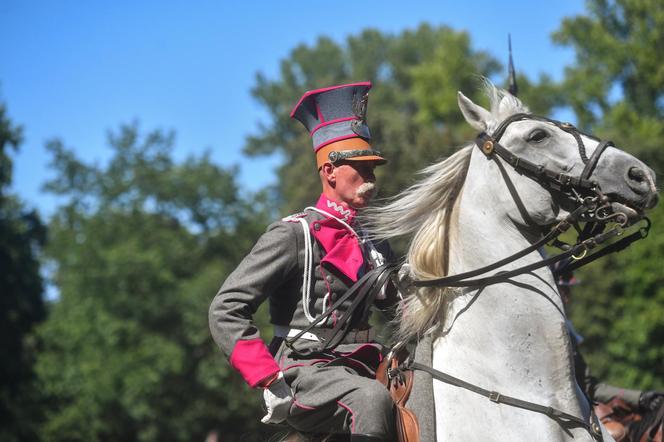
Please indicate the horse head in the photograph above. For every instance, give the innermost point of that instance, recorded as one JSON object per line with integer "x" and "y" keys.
{"x": 523, "y": 170}
{"x": 554, "y": 166}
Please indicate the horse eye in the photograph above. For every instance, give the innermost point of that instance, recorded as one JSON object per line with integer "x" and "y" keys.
{"x": 537, "y": 135}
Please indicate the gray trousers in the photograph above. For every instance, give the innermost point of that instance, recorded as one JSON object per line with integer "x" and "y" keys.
{"x": 337, "y": 393}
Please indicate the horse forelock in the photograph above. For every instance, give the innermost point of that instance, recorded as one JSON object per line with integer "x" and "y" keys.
{"x": 502, "y": 105}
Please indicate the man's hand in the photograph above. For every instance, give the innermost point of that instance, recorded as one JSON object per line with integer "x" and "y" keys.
{"x": 651, "y": 400}
{"x": 278, "y": 399}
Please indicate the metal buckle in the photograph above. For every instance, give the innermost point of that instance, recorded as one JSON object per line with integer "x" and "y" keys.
{"x": 597, "y": 431}
{"x": 494, "y": 396}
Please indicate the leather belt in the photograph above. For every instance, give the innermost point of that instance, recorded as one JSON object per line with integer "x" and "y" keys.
{"x": 323, "y": 334}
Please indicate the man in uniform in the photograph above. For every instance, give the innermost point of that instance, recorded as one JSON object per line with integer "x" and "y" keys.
{"x": 303, "y": 264}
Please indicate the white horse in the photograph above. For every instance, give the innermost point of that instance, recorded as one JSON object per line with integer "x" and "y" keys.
{"x": 508, "y": 337}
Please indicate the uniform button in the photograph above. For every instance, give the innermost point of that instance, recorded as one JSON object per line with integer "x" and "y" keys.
{"x": 328, "y": 278}
{"x": 316, "y": 226}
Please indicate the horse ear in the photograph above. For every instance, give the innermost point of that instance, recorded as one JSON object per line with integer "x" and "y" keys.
{"x": 475, "y": 115}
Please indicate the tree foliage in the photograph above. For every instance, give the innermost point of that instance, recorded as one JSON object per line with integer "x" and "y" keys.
{"x": 617, "y": 82}
{"x": 616, "y": 88}
{"x": 21, "y": 305}
{"x": 141, "y": 243}
{"x": 618, "y": 309}
{"x": 139, "y": 250}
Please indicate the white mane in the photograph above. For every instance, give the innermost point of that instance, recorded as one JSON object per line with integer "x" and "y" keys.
{"x": 426, "y": 211}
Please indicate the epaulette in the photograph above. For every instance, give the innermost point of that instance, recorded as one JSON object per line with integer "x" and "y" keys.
{"x": 294, "y": 217}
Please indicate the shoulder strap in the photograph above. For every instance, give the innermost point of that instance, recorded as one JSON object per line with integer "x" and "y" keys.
{"x": 308, "y": 262}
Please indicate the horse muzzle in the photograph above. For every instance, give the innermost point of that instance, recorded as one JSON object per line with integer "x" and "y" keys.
{"x": 627, "y": 183}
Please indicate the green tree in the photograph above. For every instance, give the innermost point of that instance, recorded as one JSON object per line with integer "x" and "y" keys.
{"x": 616, "y": 85}
{"x": 21, "y": 305}
{"x": 139, "y": 249}
{"x": 616, "y": 88}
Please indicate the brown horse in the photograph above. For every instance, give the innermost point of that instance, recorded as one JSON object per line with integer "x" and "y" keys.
{"x": 627, "y": 424}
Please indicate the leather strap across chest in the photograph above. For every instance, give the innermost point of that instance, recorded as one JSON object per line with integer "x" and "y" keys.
{"x": 566, "y": 419}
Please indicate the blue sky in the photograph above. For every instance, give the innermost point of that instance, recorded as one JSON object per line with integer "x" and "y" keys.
{"x": 76, "y": 69}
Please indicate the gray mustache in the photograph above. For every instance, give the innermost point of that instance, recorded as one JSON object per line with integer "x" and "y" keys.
{"x": 367, "y": 189}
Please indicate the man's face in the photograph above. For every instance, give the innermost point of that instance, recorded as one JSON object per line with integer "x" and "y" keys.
{"x": 355, "y": 182}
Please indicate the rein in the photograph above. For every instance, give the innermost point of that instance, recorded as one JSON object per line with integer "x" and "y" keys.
{"x": 363, "y": 292}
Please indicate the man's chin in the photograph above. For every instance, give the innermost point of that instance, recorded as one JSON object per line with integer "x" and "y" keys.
{"x": 361, "y": 201}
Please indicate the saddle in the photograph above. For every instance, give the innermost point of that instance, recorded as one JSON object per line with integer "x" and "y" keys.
{"x": 625, "y": 424}
{"x": 399, "y": 382}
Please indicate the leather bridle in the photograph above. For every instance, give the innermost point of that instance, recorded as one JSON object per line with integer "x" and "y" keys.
{"x": 593, "y": 207}
{"x": 573, "y": 188}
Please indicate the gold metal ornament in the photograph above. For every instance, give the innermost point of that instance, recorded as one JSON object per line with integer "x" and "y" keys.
{"x": 487, "y": 147}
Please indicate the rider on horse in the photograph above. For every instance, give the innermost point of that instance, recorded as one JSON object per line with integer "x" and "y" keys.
{"x": 304, "y": 264}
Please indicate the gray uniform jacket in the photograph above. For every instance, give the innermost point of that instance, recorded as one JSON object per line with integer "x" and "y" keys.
{"x": 274, "y": 271}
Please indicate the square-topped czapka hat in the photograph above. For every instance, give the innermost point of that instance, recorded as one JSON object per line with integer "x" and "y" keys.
{"x": 336, "y": 119}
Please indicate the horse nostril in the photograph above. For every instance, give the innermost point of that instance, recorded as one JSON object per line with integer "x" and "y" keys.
{"x": 636, "y": 174}
{"x": 637, "y": 180}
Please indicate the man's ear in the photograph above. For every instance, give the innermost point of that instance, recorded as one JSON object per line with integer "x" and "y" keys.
{"x": 328, "y": 172}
